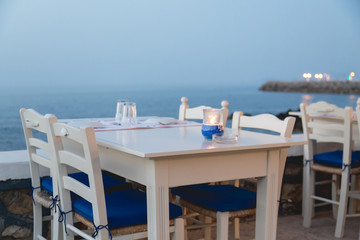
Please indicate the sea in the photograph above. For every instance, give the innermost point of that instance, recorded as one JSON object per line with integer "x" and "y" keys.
{"x": 100, "y": 101}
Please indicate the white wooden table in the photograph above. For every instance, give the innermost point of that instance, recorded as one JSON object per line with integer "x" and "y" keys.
{"x": 169, "y": 157}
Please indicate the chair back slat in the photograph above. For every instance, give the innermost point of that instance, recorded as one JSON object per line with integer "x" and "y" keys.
{"x": 34, "y": 120}
{"x": 329, "y": 126}
{"x": 41, "y": 160}
{"x": 79, "y": 188}
{"x": 197, "y": 113}
{"x": 325, "y": 122}
{"x": 74, "y": 161}
{"x": 321, "y": 138}
{"x": 64, "y": 130}
{"x": 265, "y": 122}
{"x": 38, "y": 143}
{"x": 325, "y": 109}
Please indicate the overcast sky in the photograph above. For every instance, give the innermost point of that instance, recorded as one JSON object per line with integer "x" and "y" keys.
{"x": 176, "y": 42}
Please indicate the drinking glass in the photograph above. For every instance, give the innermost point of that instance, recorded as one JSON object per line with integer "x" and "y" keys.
{"x": 119, "y": 110}
{"x": 128, "y": 114}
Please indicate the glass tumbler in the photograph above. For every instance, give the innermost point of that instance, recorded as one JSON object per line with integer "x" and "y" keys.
{"x": 119, "y": 110}
{"x": 129, "y": 114}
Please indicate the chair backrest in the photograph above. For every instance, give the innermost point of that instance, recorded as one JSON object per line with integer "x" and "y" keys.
{"x": 325, "y": 122}
{"x": 186, "y": 113}
{"x": 267, "y": 122}
{"x": 41, "y": 152}
{"x": 264, "y": 122}
{"x": 86, "y": 162}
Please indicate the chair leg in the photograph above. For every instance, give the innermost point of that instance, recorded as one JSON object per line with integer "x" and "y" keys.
{"x": 236, "y": 227}
{"x": 185, "y": 223}
{"x": 179, "y": 229}
{"x": 37, "y": 227}
{"x": 341, "y": 215}
{"x": 56, "y": 226}
{"x": 309, "y": 182}
{"x": 334, "y": 195}
{"x": 207, "y": 230}
{"x": 304, "y": 191}
{"x": 222, "y": 225}
{"x": 352, "y": 201}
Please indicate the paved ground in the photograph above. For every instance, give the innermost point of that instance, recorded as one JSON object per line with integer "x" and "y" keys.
{"x": 290, "y": 228}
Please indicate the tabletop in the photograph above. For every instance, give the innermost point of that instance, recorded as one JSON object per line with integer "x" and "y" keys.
{"x": 160, "y": 142}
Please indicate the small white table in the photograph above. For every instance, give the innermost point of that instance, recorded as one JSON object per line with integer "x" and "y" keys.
{"x": 169, "y": 157}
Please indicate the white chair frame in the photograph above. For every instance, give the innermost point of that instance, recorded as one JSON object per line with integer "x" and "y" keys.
{"x": 197, "y": 113}
{"x": 89, "y": 163}
{"x": 356, "y": 194}
{"x": 264, "y": 122}
{"x": 324, "y": 122}
{"x": 32, "y": 120}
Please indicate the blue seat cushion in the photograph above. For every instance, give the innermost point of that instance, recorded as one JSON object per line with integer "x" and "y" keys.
{"x": 111, "y": 184}
{"x": 335, "y": 158}
{"x": 221, "y": 198}
{"x": 123, "y": 208}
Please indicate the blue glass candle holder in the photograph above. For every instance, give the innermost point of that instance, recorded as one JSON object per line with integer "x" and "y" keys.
{"x": 208, "y": 130}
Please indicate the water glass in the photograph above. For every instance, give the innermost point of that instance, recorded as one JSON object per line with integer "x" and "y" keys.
{"x": 129, "y": 114}
{"x": 119, "y": 110}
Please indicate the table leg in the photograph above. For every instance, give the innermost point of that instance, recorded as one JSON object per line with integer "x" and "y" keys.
{"x": 267, "y": 199}
{"x": 157, "y": 192}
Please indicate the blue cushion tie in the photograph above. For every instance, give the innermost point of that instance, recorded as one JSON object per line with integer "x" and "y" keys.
{"x": 31, "y": 191}
{"x": 306, "y": 162}
{"x": 62, "y": 217}
{"x": 97, "y": 228}
{"x": 346, "y": 166}
{"x": 54, "y": 204}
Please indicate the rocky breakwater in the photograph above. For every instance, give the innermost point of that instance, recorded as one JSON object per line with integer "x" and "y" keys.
{"x": 340, "y": 87}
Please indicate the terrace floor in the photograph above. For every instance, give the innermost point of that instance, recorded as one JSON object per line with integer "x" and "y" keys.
{"x": 290, "y": 228}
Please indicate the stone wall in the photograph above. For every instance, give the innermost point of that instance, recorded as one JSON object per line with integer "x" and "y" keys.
{"x": 15, "y": 210}
{"x": 341, "y": 87}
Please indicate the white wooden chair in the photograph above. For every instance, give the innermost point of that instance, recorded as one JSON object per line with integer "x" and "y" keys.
{"x": 121, "y": 213}
{"x": 42, "y": 154}
{"x": 228, "y": 201}
{"x": 356, "y": 194}
{"x": 186, "y": 113}
{"x": 33, "y": 121}
{"x": 197, "y": 113}
{"x": 324, "y": 122}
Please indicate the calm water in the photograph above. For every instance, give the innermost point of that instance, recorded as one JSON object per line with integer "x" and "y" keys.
{"x": 101, "y": 102}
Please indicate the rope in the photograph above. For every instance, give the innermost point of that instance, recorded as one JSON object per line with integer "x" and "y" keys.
{"x": 282, "y": 201}
{"x": 97, "y": 228}
{"x": 31, "y": 192}
{"x": 54, "y": 204}
{"x": 346, "y": 166}
{"x": 62, "y": 217}
{"x": 306, "y": 162}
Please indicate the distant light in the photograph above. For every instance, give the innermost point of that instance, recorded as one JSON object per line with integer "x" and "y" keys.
{"x": 318, "y": 76}
{"x": 307, "y": 76}
{"x": 352, "y": 74}
{"x": 327, "y": 76}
